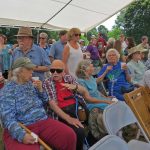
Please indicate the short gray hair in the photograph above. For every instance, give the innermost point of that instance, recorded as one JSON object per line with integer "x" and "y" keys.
{"x": 82, "y": 66}
{"x": 113, "y": 50}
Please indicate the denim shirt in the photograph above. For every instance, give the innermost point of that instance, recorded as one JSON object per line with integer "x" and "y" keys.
{"x": 21, "y": 103}
{"x": 37, "y": 55}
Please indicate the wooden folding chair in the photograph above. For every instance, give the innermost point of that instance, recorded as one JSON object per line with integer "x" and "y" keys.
{"x": 139, "y": 102}
{"x": 147, "y": 90}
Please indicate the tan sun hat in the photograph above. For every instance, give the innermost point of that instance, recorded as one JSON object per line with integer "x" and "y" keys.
{"x": 25, "y": 31}
{"x": 22, "y": 62}
{"x": 141, "y": 48}
{"x": 133, "y": 50}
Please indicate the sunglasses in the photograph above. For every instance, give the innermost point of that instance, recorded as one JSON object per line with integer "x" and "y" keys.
{"x": 77, "y": 34}
{"x": 57, "y": 70}
{"x": 42, "y": 38}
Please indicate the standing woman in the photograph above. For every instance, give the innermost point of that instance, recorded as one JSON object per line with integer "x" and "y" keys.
{"x": 72, "y": 53}
{"x": 118, "y": 47}
{"x": 4, "y": 56}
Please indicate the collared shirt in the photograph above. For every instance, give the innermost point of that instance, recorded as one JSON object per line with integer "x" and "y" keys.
{"x": 46, "y": 48}
{"x": 57, "y": 49}
{"x": 49, "y": 86}
{"x": 38, "y": 57}
{"x": 21, "y": 103}
{"x": 137, "y": 70}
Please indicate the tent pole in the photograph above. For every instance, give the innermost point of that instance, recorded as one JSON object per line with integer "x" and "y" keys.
{"x": 37, "y": 37}
{"x": 56, "y": 13}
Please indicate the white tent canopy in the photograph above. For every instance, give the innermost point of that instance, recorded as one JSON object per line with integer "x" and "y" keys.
{"x": 58, "y": 14}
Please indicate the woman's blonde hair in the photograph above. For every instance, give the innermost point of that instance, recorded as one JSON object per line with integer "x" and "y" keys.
{"x": 82, "y": 66}
{"x": 72, "y": 32}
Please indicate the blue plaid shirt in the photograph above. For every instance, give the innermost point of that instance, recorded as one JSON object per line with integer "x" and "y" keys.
{"x": 21, "y": 103}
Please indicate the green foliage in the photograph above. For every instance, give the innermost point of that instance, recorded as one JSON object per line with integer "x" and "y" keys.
{"x": 135, "y": 19}
{"x": 85, "y": 39}
{"x": 91, "y": 32}
{"x": 102, "y": 29}
{"x": 10, "y": 32}
{"x": 115, "y": 33}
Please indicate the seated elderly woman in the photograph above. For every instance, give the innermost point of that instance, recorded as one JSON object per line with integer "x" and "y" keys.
{"x": 1, "y": 81}
{"x": 136, "y": 66}
{"x": 116, "y": 74}
{"x": 21, "y": 101}
{"x": 84, "y": 73}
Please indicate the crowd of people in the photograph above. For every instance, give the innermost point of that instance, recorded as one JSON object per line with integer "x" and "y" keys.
{"x": 40, "y": 85}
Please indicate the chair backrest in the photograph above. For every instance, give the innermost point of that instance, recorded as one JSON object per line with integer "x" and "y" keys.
{"x": 110, "y": 142}
{"x": 118, "y": 115}
{"x": 139, "y": 102}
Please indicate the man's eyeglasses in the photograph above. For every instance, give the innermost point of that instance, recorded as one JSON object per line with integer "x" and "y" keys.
{"x": 57, "y": 70}
{"x": 77, "y": 34}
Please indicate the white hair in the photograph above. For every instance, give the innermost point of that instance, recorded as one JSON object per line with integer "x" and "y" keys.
{"x": 14, "y": 74}
{"x": 113, "y": 50}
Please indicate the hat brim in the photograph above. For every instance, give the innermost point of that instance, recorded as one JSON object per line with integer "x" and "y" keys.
{"x": 29, "y": 66}
{"x": 24, "y": 35}
{"x": 133, "y": 52}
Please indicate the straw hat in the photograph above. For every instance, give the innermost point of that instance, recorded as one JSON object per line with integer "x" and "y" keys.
{"x": 25, "y": 31}
{"x": 133, "y": 50}
{"x": 141, "y": 48}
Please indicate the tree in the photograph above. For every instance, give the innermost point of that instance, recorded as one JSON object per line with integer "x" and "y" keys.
{"x": 115, "y": 33}
{"x": 103, "y": 30}
{"x": 134, "y": 20}
{"x": 91, "y": 32}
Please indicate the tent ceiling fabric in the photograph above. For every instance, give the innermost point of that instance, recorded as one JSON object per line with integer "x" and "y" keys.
{"x": 84, "y": 14}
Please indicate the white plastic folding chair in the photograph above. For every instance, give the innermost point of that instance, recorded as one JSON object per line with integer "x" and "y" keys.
{"x": 110, "y": 142}
{"x": 118, "y": 115}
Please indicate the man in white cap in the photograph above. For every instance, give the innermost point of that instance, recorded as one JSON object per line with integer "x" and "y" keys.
{"x": 28, "y": 49}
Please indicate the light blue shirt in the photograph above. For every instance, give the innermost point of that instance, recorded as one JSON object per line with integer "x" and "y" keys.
{"x": 91, "y": 86}
{"x": 37, "y": 55}
{"x": 56, "y": 50}
{"x": 137, "y": 70}
{"x": 5, "y": 59}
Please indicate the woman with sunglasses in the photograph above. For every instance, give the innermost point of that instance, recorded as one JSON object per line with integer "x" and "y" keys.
{"x": 72, "y": 53}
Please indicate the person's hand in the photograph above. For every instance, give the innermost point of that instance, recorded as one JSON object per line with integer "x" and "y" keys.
{"x": 109, "y": 68}
{"x": 69, "y": 86}
{"x": 10, "y": 51}
{"x": 28, "y": 139}
{"x": 109, "y": 102}
{"x": 38, "y": 85}
{"x": 75, "y": 122}
{"x": 124, "y": 66}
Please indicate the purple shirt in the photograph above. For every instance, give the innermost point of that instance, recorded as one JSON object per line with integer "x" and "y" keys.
{"x": 93, "y": 51}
